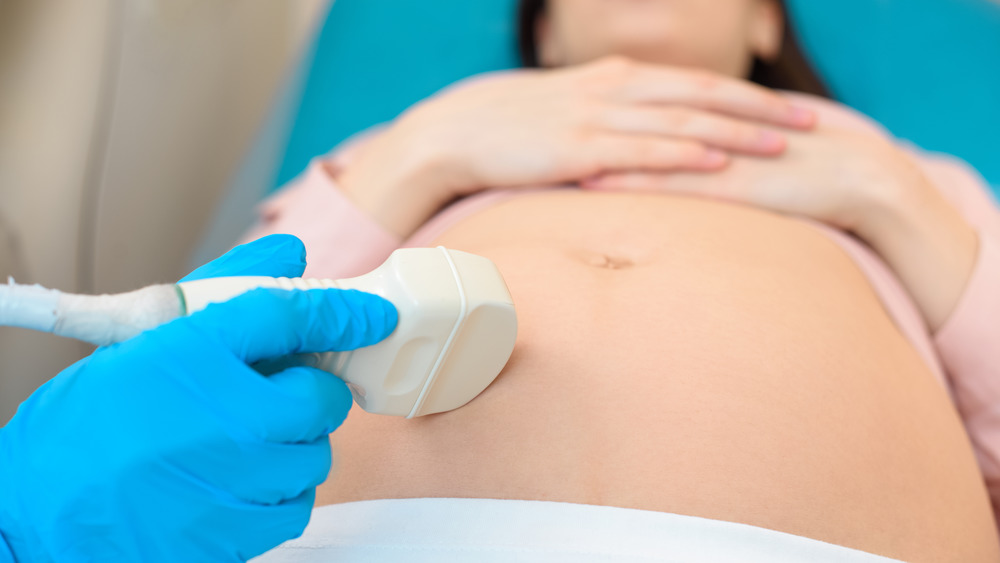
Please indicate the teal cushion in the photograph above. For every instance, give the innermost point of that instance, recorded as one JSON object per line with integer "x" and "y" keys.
{"x": 927, "y": 69}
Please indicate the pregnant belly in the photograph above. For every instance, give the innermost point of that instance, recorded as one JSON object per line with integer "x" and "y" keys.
{"x": 697, "y": 358}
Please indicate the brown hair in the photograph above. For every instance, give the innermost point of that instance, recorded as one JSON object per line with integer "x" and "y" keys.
{"x": 789, "y": 71}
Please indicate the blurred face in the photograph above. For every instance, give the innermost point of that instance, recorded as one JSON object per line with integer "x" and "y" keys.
{"x": 719, "y": 35}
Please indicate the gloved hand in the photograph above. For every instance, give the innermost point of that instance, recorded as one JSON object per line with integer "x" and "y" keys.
{"x": 168, "y": 447}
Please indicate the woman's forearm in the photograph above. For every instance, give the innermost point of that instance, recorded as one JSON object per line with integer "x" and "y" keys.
{"x": 924, "y": 240}
{"x": 398, "y": 184}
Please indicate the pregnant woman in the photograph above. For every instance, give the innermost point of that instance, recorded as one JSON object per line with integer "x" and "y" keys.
{"x": 751, "y": 326}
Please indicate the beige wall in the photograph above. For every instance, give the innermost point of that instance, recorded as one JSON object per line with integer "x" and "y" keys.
{"x": 196, "y": 79}
{"x": 121, "y": 123}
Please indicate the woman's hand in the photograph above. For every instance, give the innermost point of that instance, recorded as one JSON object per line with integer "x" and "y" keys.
{"x": 545, "y": 127}
{"x": 842, "y": 178}
{"x": 855, "y": 181}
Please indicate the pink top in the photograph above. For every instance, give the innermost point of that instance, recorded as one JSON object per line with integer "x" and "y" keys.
{"x": 964, "y": 354}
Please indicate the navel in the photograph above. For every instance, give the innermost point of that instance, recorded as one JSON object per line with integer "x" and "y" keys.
{"x": 607, "y": 261}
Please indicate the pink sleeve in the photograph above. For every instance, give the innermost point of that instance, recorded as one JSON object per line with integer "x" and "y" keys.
{"x": 969, "y": 342}
{"x": 969, "y": 347}
{"x": 341, "y": 241}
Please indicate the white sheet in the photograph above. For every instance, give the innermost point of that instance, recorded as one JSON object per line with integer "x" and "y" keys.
{"x": 495, "y": 531}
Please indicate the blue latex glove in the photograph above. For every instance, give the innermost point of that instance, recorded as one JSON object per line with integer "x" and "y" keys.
{"x": 168, "y": 447}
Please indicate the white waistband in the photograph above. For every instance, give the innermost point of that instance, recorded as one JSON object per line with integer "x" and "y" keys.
{"x": 494, "y": 531}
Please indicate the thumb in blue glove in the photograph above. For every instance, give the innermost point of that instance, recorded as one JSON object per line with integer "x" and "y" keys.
{"x": 168, "y": 447}
{"x": 278, "y": 256}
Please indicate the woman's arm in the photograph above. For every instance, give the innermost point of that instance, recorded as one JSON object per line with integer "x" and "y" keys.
{"x": 919, "y": 233}
{"x": 520, "y": 129}
{"x": 341, "y": 240}
{"x": 968, "y": 340}
{"x": 531, "y": 128}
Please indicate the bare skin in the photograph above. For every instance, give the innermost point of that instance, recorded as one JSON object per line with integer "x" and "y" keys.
{"x": 681, "y": 355}
{"x": 698, "y": 358}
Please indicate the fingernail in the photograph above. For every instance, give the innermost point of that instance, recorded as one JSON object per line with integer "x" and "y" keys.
{"x": 714, "y": 158}
{"x": 803, "y": 117}
{"x": 770, "y": 139}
